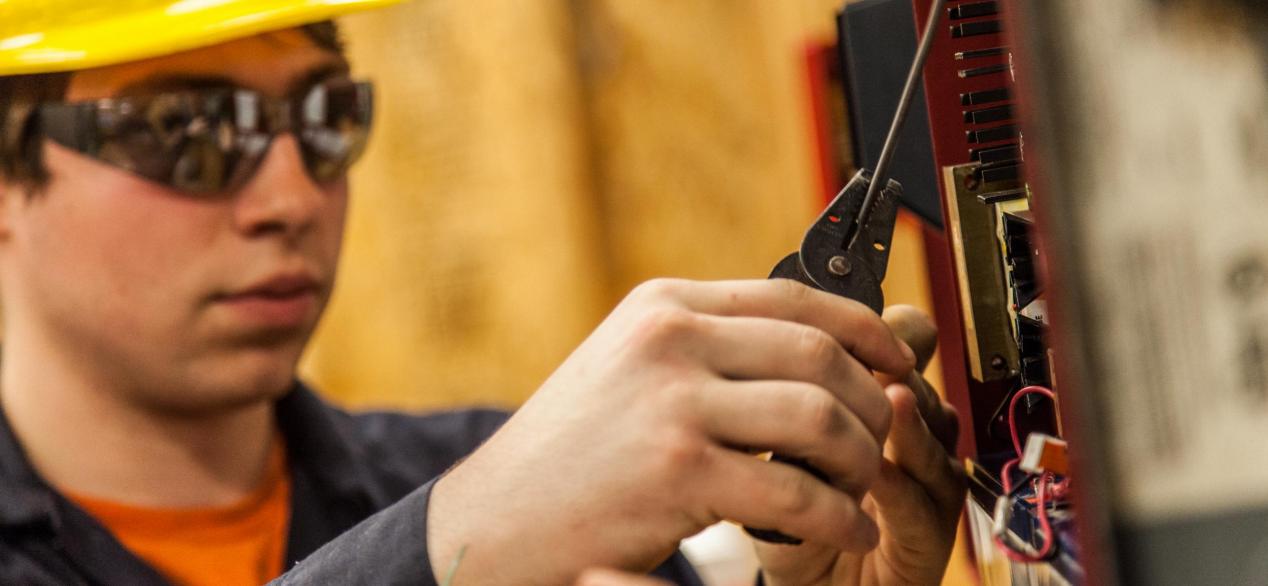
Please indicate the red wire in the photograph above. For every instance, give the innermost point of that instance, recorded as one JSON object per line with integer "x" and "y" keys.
{"x": 1042, "y": 487}
{"x": 1005, "y": 474}
{"x": 1045, "y": 523}
{"x": 1012, "y": 410}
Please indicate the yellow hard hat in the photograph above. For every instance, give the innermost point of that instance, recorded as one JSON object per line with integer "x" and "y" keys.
{"x": 43, "y": 36}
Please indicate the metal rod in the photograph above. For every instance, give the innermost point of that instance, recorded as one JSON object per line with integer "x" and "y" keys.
{"x": 879, "y": 178}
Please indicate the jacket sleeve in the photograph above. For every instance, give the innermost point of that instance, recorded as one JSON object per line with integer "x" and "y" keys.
{"x": 390, "y": 547}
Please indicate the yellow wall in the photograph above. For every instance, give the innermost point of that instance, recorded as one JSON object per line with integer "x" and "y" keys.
{"x": 471, "y": 264}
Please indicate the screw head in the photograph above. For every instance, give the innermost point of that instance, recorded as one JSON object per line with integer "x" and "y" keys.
{"x": 998, "y": 363}
{"x": 972, "y": 182}
{"x": 838, "y": 266}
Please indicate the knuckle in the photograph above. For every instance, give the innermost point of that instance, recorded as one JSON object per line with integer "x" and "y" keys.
{"x": 681, "y": 451}
{"x": 823, "y": 415}
{"x": 660, "y": 288}
{"x": 660, "y": 326}
{"x": 677, "y": 394}
{"x": 818, "y": 348}
{"x": 793, "y": 494}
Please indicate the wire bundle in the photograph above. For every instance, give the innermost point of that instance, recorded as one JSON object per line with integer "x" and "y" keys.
{"x": 1046, "y": 488}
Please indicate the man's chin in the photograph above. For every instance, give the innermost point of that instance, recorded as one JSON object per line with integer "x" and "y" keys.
{"x": 219, "y": 371}
{"x": 232, "y": 381}
{"x": 217, "y": 399}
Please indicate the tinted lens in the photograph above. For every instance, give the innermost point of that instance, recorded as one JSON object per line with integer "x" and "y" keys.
{"x": 203, "y": 143}
{"x": 333, "y": 123}
{"x": 187, "y": 140}
{"x": 210, "y": 141}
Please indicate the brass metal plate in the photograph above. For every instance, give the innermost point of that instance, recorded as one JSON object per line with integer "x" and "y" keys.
{"x": 979, "y": 262}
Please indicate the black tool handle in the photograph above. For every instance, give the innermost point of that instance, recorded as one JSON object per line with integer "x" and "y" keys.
{"x": 789, "y": 268}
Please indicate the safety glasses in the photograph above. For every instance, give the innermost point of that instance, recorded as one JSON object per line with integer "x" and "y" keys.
{"x": 213, "y": 140}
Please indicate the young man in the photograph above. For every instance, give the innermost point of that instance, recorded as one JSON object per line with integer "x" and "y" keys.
{"x": 172, "y": 198}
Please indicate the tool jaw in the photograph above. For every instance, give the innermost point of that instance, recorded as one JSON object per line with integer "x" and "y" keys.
{"x": 841, "y": 256}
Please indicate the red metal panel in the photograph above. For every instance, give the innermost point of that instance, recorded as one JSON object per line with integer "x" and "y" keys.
{"x": 944, "y": 87}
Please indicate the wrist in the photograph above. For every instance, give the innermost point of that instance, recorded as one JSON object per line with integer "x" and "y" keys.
{"x": 465, "y": 537}
{"x": 517, "y": 535}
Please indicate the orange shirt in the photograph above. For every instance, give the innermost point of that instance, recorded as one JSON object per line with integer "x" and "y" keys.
{"x": 243, "y": 543}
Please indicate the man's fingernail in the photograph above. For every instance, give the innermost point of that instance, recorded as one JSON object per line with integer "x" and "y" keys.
{"x": 908, "y": 352}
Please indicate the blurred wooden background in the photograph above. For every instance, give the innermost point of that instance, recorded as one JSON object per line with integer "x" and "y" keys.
{"x": 533, "y": 161}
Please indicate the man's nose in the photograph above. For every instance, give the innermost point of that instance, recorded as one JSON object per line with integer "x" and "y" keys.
{"x": 281, "y": 197}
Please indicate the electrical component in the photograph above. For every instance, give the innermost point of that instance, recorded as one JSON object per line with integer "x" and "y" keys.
{"x": 1044, "y": 453}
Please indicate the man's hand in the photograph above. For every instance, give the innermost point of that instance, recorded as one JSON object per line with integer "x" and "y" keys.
{"x": 643, "y": 436}
{"x": 916, "y": 501}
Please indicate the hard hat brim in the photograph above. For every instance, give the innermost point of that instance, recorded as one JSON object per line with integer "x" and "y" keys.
{"x": 163, "y": 29}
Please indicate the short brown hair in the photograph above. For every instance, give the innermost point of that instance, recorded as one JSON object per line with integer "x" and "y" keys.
{"x": 20, "y": 137}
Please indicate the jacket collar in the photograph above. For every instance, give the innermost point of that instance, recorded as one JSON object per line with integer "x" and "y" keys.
{"x": 321, "y": 442}
{"x": 28, "y": 500}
